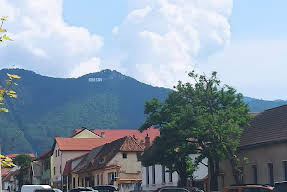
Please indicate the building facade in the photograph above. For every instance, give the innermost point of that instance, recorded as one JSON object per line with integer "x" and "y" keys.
{"x": 264, "y": 145}
{"x": 158, "y": 176}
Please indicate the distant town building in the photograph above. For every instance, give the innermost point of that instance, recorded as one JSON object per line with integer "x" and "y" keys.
{"x": 94, "y": 80}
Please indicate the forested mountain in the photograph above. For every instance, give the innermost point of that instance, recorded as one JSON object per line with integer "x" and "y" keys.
{"x": 47, "y": 107}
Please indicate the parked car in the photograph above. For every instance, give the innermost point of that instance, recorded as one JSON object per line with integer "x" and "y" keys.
{"x": 36, "y": 188}
{"x": 81, "y": 189}
{"x": 280, "y": 186}
{"x": 106, "y": 188}
{"x": 249, "y": 188}
{"x": 173, "y": 190}
{"x": 57, "y": 190}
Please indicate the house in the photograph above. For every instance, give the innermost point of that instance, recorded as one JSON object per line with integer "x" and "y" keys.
{"x": 114, "y": 163}
{"x": 158, "y": 176}
{"x": 264, "y": 144}
{"x": 65, "y": 149}
{"x": 41, "y": 169}
{"x": 9, "y": 181}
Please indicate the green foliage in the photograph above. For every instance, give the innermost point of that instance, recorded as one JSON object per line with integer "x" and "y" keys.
{"x": 23, "y": 161}
{"x": 204, "y": 114}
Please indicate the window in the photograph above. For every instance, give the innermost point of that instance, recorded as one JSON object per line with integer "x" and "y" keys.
{"x": 98, "y": 179}
{"x": 82, "y": 182}
{"x": 153, "y": 174}
{"x": 111, "y": 178}
{"x": 124, "y": 155}
{"x": 56, "y": 153}
{"x": 78, "y": 181}
{"x": 163, "y": 173}
{"x": 54, "y": 170}
{"x": 170, "y": 177}
{"x": 254, "y": 171}
{"x": 270, "y": 173}
{"x": 60, "y": 169}
{"x": 147, "y": 175}
{"x": 285, "y": 170}
{"x": 102, "y": 179}
{"x": 74, "y": 182}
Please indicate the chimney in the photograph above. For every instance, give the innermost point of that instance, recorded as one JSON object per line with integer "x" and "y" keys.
{"x": 102, "y": 134}
{"x": 147, "y": 141}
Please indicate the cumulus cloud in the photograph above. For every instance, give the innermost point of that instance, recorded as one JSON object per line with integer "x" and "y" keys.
{"x": 43, "y": 41}
{"x": 86, "y": 67}
{"x": 161, "y": 40}
{"x": 158, "y": 42}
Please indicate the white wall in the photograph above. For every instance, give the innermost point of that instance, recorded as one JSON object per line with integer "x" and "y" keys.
{"x": 200, "y": 173}
{"x": 158, "y": 178}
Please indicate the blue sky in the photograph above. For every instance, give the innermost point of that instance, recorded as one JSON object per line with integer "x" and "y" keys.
{"x": 154, "y": 41}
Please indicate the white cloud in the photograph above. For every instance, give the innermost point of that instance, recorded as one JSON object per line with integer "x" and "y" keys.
{"x": 43, "y": 42}
{"x": 257, "y": 68}
{"x": 90, "y": 66}
{"x": 161, "y": 40}
{"x": 115, "y": 30}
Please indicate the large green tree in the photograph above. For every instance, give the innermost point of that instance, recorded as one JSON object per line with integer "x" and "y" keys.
{"x": 207, "y": 114}
{"x": 23, "y": 161}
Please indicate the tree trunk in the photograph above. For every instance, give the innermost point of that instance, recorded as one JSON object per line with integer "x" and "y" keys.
{"x": 182, "y": 182}
{"x": 213, "y": 170}
{"x": 235, "y": 171}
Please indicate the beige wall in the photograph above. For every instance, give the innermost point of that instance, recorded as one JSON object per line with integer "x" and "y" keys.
{"x": 128, "y": 165}
{"x": 86, "y": 134}
{"x": 59, "y": 162}
{"x": 275, "y": 154}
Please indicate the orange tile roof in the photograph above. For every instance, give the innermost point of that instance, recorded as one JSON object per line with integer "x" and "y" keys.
{"x": 119, "y": 133}
{"x": 5, "y": 171}
{"x": 81, "y": 144}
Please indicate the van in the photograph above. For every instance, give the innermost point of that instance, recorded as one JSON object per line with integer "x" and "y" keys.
{"x": 36, "y": 188}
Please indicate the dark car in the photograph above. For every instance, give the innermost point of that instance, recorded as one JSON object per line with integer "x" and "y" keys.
{"x": 105, "y": 188}
{"x": 173, "y": 190}
{"x": 280, "y": 186}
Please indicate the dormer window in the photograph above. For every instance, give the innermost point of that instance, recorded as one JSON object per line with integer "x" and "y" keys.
{"x": 102, "y": 161}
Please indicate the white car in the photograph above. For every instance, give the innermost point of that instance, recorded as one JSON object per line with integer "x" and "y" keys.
{"x": 33, "y": 188}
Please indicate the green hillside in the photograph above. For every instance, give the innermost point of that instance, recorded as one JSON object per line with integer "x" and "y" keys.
{"x": 47, "y": 107}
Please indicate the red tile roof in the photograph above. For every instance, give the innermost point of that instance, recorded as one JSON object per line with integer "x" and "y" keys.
{"x": 119, "y": 133}
{"x": 44, "y": 155}
{"x": 80, "y": 144}
{"x": 15, "y": 154}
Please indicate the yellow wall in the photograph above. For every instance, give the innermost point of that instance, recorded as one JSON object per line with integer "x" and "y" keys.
{"x": 86, "y": 134}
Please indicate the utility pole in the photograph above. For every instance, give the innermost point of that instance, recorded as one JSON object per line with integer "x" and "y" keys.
{"x": 0, "y": 172}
